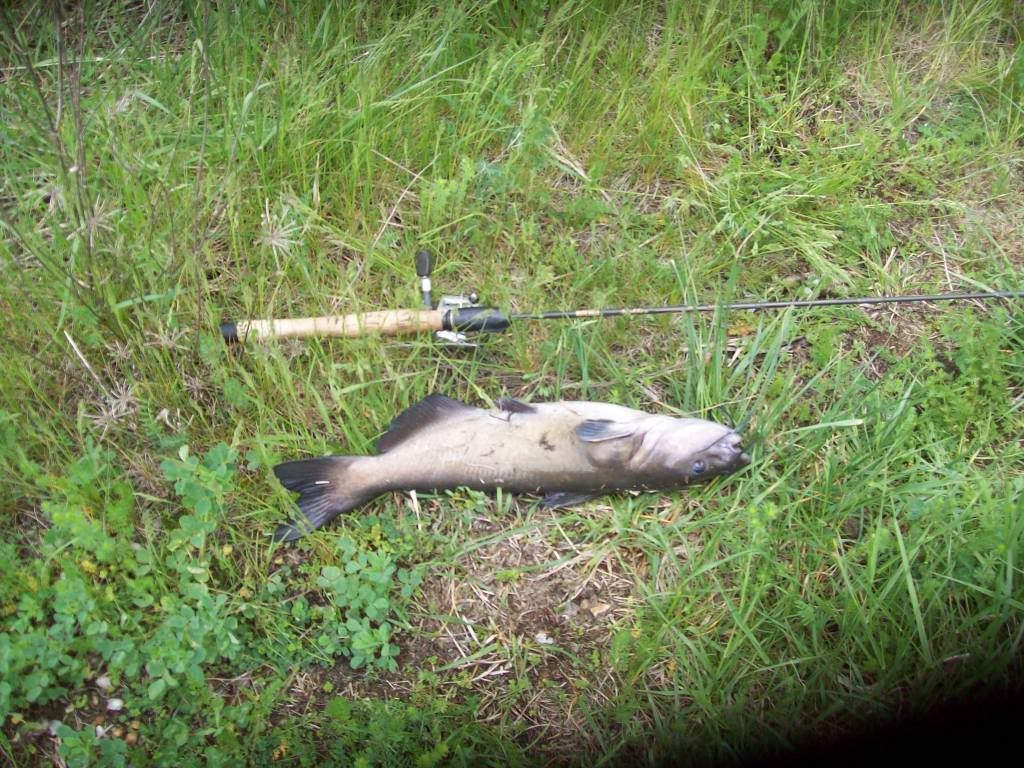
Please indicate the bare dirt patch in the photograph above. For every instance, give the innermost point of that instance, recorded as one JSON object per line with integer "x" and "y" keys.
{"x": 520, "y": 621}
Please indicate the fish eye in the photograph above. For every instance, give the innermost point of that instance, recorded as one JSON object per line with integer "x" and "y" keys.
{"x": 698, "y": 467}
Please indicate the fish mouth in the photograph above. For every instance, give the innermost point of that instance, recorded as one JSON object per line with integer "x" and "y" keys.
{"x": 729, "y": 451}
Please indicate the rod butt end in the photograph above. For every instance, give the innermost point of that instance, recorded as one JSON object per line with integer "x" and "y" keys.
{"x": 230, "y": 332}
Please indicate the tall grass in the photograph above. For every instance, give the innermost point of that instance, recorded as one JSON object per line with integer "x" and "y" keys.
{"x": 167, "y": 166}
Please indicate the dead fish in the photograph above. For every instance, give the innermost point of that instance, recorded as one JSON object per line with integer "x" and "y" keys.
{"x": 567, "y": 452}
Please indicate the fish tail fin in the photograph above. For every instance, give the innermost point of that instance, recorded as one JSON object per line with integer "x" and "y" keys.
{"x": 324, "y": 490}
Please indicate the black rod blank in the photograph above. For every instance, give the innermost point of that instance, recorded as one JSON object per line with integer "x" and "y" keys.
{"x": 564, "y": 314}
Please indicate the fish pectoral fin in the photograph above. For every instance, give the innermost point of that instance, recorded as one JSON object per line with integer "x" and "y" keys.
{"x": 564, "y": 499}
{"x": 510, "y": 405}
{"x": 599, "y": 430}
{"x": 428, "y": 411}
{"x": 609, "y": 443}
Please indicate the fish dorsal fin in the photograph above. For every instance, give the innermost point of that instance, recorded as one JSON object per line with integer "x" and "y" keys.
{"x": 433, "y": 409}
{"x": 600, "y": 430}
{"x": 510, "y": 405}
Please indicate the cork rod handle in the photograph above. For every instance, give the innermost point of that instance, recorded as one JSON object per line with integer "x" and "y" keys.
{"x": 391, "y": 322}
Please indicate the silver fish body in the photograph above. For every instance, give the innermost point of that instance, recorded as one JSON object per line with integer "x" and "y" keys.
{"x": 566, "y": 451}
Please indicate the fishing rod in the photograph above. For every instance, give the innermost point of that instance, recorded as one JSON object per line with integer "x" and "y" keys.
{"x": 453, "y": 317}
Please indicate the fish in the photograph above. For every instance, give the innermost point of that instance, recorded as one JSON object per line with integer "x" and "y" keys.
{"x": 568, "y": 452}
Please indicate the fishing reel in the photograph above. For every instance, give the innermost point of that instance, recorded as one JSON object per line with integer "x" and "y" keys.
{"x": 462, "y": 313}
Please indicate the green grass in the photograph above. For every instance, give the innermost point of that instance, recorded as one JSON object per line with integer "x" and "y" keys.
{"x": 164, "y": 169}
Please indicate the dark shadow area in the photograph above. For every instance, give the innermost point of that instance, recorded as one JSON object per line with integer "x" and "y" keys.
{"x": 981, "y": 722}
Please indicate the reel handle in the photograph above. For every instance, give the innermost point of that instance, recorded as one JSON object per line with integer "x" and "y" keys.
{"x": 424, "y": 263}
{"x": 424, "y": 266}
